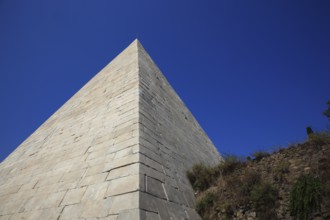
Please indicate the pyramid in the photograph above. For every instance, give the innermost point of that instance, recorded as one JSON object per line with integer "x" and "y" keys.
{"x": 118, "y": 149}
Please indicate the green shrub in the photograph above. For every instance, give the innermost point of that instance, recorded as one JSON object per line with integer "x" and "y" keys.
{"x": 230, "y": 164}
{"x": 201, "y": 176}
{"x": 305, "y": 197}
{"x": 264, "y": 198}
{"x": 259, "y": 155}
{"x": 264, "y": 195}
{"x": 204, "y": 202}
{"x": 248, "y": 181}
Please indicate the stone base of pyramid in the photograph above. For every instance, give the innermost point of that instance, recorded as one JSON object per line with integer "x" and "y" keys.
{"x": 118, "y": 149}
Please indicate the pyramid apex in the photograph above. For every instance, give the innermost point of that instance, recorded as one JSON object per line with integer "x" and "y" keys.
{"x": 135, "y": 43}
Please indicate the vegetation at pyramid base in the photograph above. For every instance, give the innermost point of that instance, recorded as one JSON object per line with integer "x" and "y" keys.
{"x": 204, "y": 202}
{"x": 264, "y": 197}
{"x": 201, "y": 176}
{"x": 236, "y": 185}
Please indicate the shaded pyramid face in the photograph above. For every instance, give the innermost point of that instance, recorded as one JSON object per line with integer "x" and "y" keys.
{"x": 118, "y": 149}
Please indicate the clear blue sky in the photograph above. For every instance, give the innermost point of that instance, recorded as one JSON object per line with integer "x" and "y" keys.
{"x": 254, "y": 73}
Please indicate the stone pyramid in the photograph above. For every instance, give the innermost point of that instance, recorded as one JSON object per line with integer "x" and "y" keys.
{"x": 118, "y": 149}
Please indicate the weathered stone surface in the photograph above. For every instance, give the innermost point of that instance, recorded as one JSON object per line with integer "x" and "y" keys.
{"x": 90, "y": 180}
{"x": 150, "y": 216}
{"x": 97, "y": 208}
{"x": 132, "y": 169}
{"x": 71, "y": 212}
{"x": 53, "y": 200}
{"x": 27, "y": 215}
{"x": 155, "y": 187}
{"x": 124, "y": 202}
{"x": 5, "y": 217}
{"x": 51, "y": 214}
{"x": 95, "y": 192}
{"x": 73, "y": 196}
{"x": 125, "y": 185}
{"x": 134, "y": 214}
{"x": 124, "y": 161}
{"x": 9, "y": 190}
{"x": 110, "y": 217}
{"x": 118, "y": 149}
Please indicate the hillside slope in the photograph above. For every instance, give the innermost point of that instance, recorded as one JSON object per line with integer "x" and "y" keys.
{"x": 260, "y": 188}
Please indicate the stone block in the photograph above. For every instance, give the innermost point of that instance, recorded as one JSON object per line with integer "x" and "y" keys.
{"x": 52, "y": 200}
{"x": 132, "y": 169}
{"x": 155, "y": 187}
{"x": 176, "y": 211}
{"x": 150, "y": 216}
{"x": 97, "y": 208}
{"x": 123, "y": 153}
{"x": 148, "y": 202}
{"x": 33, "y": 203}
{"x": 47, "y": 189}
{"x": 149, "y": 171}
{"x": 162, "y": 209}
{"x": 95, "y": 192}
{"x": 29, "y": 185}
{"x": 64, "y": 186}
{"x": 132, "y": 214}
{"x": 9, "y": 189}
{"x": 96, "y": 161}
{"x": 51, "y": 214}
{"x": 124, "y": 202}
{"x": 90, "y": 180}
{"x": 73, "y": 196}
{"x": 11, "y": 205}
{"x": 174, "y": 195}
{"x": 71, "y": 212}
{"x": 124, "y": 161}
{"x": 125, "y": 185}
{"x": 151, "y": 163}
{"x": 73, "y": 176}
{"x": 27, "y": 215}
{"x": 96, "y": 154}
{"x": 93, "y": 170}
